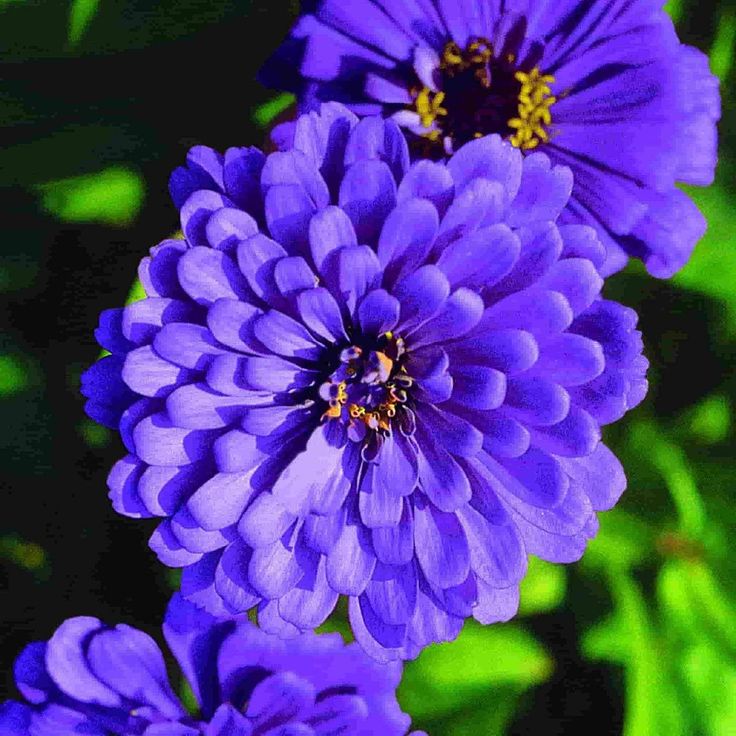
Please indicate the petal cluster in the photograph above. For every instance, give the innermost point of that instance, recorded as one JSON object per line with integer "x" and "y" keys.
{"x": 96, "y": 679}
{"x": 359, "y": 376}
{"x": 633, "y": 111}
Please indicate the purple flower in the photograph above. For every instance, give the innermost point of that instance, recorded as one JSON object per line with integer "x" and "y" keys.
{"x": 94, "y": 679}
{"x": 361, "y": 377}
{"x": 601, "y": 86}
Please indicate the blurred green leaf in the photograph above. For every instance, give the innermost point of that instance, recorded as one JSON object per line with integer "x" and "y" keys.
{"x": 622, "y": 541}
{"x": 652, "y": 704}
{"x": 711, "y": 680}
{"x": 447, "y": 677}
{"x": 266, "y": 113}
{"x": 672, "y": 464}
{"x": 28, "y": 555}
{"x": 607, "y": 640}
{"x": 712, "y": 267}
{"x": 543, "y": 587}
{"x": 710, "y": 421}
{"x": 490, "y": 719}
{"x": 14, "y": 376}
{"x": 674, "y": 8}
{"x": 188, "y": 698}
{"x": 80, "y": 16}
{"x": 722, "y": 50}
{"x": 136, "y": 293}
{"x": 111, "y": 197}
{"x": 173, "y": 577}
{"x": 94, "y": 435}
{"x": 694, "y": 601}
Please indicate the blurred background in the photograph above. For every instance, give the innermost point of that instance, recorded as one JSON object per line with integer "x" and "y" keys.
{"x": 99, "y": 101}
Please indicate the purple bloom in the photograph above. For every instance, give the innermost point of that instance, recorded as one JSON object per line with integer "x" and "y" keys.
{"x": 358, "y": 376}
{"x": 602, "y": 86}
{"x": 94, "y": 679}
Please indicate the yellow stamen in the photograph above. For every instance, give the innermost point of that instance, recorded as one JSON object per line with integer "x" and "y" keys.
{"x": 535, "y": 99}
{"x": 429, "y": 106}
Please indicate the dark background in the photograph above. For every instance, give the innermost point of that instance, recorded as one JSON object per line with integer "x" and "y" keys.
{"x": 144, "y": 82}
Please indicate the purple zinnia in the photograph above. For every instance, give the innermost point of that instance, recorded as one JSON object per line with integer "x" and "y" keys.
{"x": 358, "y": 376}
{"x": 602, "y": 86}
{"x": 94, "y": 679}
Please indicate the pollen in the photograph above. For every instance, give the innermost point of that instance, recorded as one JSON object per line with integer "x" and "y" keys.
{"x": 429, "y": 106}
{"x": 535, "y": 100}
{"x": 479, "y": 93}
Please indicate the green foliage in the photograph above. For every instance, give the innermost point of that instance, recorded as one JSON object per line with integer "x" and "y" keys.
{"x": 28, "y": 555}
{"x": 710, "y": 421}
{"x": 478, "y": 676}
{"x": 111, "y": 197}
{"x": 543, "y": 588}
{"x": 13, "y": 375}
{"x": 266, "y": 113}
{"x": 80, "y": 16}
{"x": 675, "y": 9}
{"x": 94, "y": 435}
{"x": 722, "y": 50}
{"x": 136, "y": 293}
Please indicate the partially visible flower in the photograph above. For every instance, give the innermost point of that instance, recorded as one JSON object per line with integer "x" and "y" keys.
{"x": 604, "y": 87}
{"x": 365, "y": 378}
{"x": 95, "y": 679}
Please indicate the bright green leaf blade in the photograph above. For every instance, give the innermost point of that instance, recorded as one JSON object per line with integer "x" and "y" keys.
{"x": 672, "y": 464}
{"x": 28, "y": 555}
{"x": 622, "y": 541}
{"x": 111, "y": 197}
{"x": 266, "y": 113}
{"x": 81, "y": 14}
{"x": 711, "y": 680}
{"x": 711, "y": 419}
{"x": 712, "y": 268}
{"x": 490, "y": 719}
{"x": 607, "y": 640}
{"x": 94, "y": 435}
{"x": 722, "y": 51}
{"x": 652, "y": 705}
{"x": 674, "y": 8}
{"x": 543, "y": 587}
{"x": 447, "y": 677}
{"x": 14, "y": 376}
{"x": 136, "y": 293}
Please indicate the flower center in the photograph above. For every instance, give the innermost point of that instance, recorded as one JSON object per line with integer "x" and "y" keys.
{"x": 370, "y": 384}
{"x": 479, "y": 94}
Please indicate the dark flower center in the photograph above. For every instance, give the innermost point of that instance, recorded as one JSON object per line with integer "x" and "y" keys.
{"x": 369, "y": 385}
{"x": 480, "y": 94}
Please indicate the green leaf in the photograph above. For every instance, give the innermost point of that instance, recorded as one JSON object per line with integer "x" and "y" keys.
{"x": 711, "y": 679}
{"x": 652, "y": 703}
{"x": 712, "y": 267}
{"x": 721, "y": 53}
{"x": 188, "y": 698}
{"x": 14, "y": 376}
{"x": 111, "y": 197}
{"x": 543, "y": 588}
{"x": 136, "y": 294}
{"x": 670, "y": 461}
{"x": 607, "y": 640}
{"x": 623, "y": 541}
{"x": 94, "y": 435}
{"x": 266, "y": 113}
{"x": 710, "y": 420}
{"x": 448, "y": 677}
{"x": 694, "y": 601}
{"x": 674, "y": 8}
{"x": 80, "y": 16}
{"x": 28, "y": 555}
